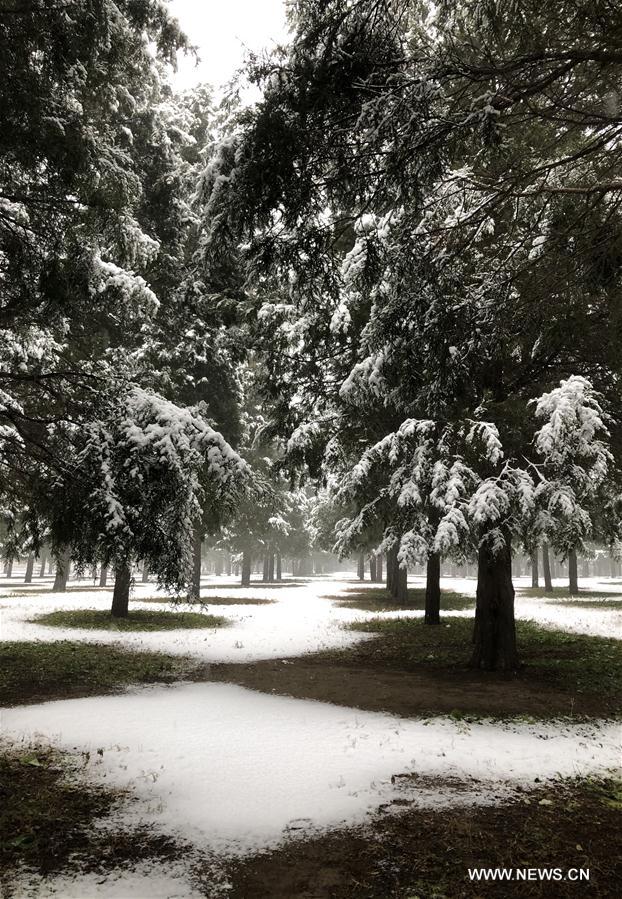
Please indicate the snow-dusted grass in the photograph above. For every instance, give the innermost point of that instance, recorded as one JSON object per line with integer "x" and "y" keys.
{"x": 137, "y": 620}
{"x": 236, "y": 770}
{"x": 298, "y": 620}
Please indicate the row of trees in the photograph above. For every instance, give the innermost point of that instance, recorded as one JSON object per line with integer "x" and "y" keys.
{"x": 424, "y": 211}
{"x": 376, "y": 312}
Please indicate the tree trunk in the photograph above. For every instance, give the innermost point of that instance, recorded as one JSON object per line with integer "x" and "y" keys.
{"x": 271, "y": 567}
{"x": 30, "y": 564}
{"x": 103, "y": 576}
{"x": 573, "y": 581}
{"x": 391, "y": 570}
{"x": 218, "y": 566}
{"x": 401, "y": 585}
{"x": 279, "y": 567}
{"x": 360, "y": 568}
{"x": 9, "y": 568}
{"x": 372, "y": 569}
{"x": 535, "y": 581}
{"x": 246, "y": 568}
{"x": 145, "y": 574}
{"x": 546, "y": 569}
{"x": 228, "y": 564}
{"x": 433, "y": 590}
{"x": 494, "y": 634}
{"x": 121, "y": 593}
{"x": 379, "y": 575}
{"x": 194, "y": 591}
{"x": 44, "y": 558}
{"x": 266, "y": 568}
{"x": 62, "y": 572}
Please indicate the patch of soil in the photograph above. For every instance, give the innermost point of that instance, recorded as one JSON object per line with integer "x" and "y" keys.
{"x": 427, "y": 854}
{"x": 409, "y": 693}
{"x": 213, "y": 601}
{"x": 48, "y": 819}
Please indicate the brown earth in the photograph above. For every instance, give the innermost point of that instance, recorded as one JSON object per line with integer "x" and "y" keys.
{"x": 426, "y": 854}
{"x": 409, "y": 693}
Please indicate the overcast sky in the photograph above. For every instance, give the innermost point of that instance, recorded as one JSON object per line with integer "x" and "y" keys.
{"x": 221, "y": 30}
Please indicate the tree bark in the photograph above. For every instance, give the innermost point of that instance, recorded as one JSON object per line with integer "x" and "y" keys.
{"x": 433, "y": 590}
{"x": 535, "y": 582}
{"x": 44, "y": 558}
{"x": 266, "y": 566}
{"x": 494, "y": 634}
{"x": 9, "y": 568}
{"x": 360, "y": 568}
{"x": 372, "y": 569}
{"x": 401, "y": 585}
{"x": 121, "y": 593}
{"x": 573, "y": 580}
{"x": 271, "y": 567}
{"x": 228, "y": 564}
{"x": 62, "y": 572}
{"x": 194, "y": 591}
{"x": 145, "y": 574}
{"x": 279, "y": 567}
{"x": 30, "y": 564}
{"x": 546, "y": 569}
{"x": 246, "y": 568}
{"x": 379, "y": 575}
{"x": 103, "y": 576}
{"x": 391, "y": 570}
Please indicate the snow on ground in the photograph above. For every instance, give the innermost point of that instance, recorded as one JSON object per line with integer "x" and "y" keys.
{"x": 300, "y": 619}
{"x": 152, "y": 880}
{"x": 235, "y": 770}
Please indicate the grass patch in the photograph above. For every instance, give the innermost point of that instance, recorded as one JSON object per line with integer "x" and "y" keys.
{"x": 35, "y": 672}
{"x": 561, "y": 593}
{"x": 47, "y": 818}
{"x": 575, "y": 663}
{"x": 426, "y": 853}
{"x": 213, "y": 601}
{"x": 376, "y": 599}
{"x": 590, "y": 604}
{"x": 138, "y": 620}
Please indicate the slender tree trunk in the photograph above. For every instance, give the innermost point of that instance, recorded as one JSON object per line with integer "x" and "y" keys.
{"x": 372, "y": 569}
{"x": 392, "y": 570}
{"x": 61, "y": 577}
{"x": 30, "y": 564}
{"x": 279, "y": 567}
{"x": 546, "y": 569}
{"x": 246, "y": 568}
{"x": 573, "y": 580}
{"x": 433, "y": 590}
{"x": 266, "y": 568}
{"x": 494, "y": 634}
{"x": 401, "y": 585}
{"x": 194, "y": 592}
{"x": 271, "y": 567}
{"x": 218, "y": 564}
{"x": 103, "y": 576}
{"x": 44, "y": 558}
{"x": 360, "y": 568}
{"x": 121, "y": 593}
{"x": 228, "y": 564}
{"x": 145, "y": 575}
{"x": 379, "y": 575}
{"x": 9, "y": 568}
{"x": 535, "y": 582}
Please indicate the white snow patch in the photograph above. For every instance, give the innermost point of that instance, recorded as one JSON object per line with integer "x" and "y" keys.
{"x": 235, "y": 770}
